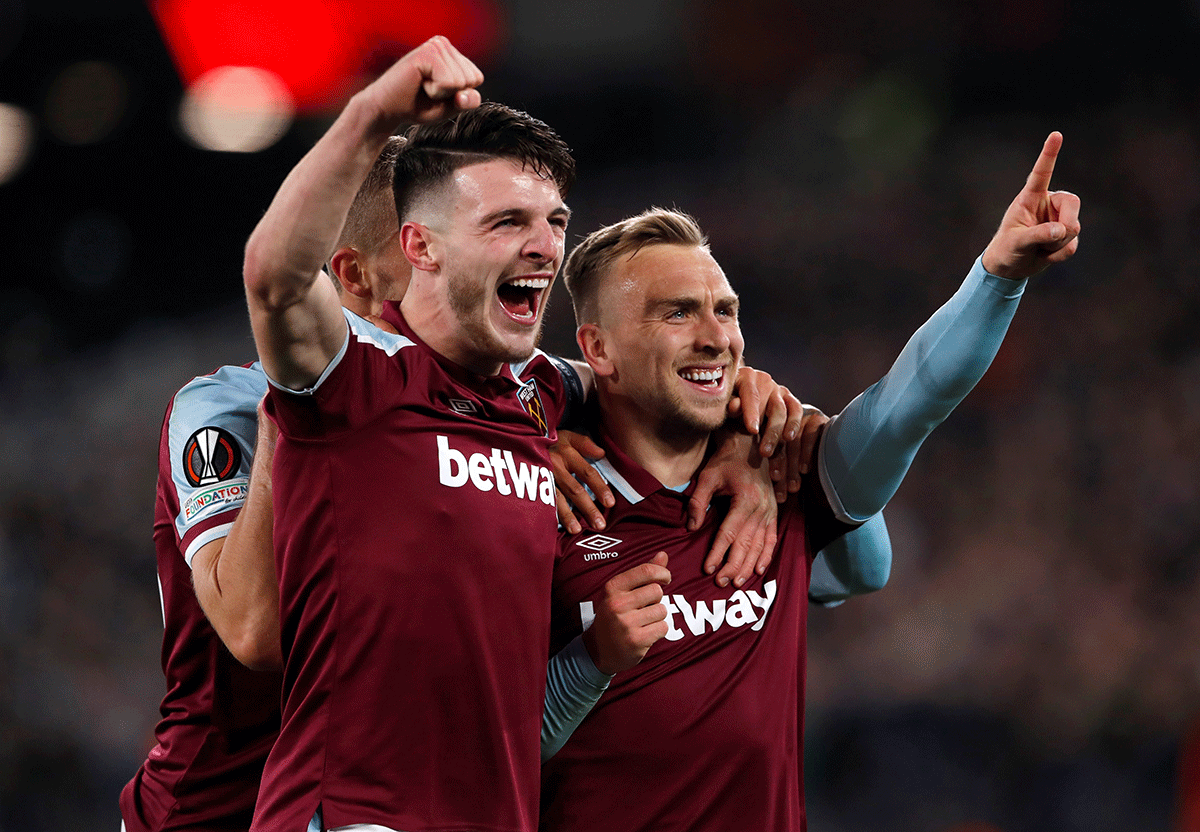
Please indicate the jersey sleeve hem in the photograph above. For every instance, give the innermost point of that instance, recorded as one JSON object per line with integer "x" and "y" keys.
{"x": 329, "y": 368}
{"x": 835, "y": 502}
{"x": 203, "y": 539}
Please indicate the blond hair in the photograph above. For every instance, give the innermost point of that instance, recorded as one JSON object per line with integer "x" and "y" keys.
{"x": 591, "y": 260}
{"x": 372, "y": 216}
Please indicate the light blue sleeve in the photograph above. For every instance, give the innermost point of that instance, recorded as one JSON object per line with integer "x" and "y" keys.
{"x": 868, "y": 447}
{"x": 856, "y": 563}
{"x": 573, "y": 686}
{"x": 210, "y": 442}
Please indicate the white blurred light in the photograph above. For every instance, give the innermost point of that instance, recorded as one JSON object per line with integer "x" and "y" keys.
{"x": 16, "y": 139}
{"x": 238, "y": 109}
{"x": 86, "y": 102}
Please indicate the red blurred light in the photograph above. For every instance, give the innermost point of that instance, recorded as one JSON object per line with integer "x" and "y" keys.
{"x": 318, "y": 48}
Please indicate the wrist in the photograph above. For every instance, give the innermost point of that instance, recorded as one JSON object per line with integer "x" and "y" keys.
{"x": 366, "y": 117}
{"x": 994, "y": 265}
{"x": 592, "y": 652}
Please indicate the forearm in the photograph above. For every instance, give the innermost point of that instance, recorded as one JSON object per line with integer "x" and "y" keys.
{"x": 869, "y": 446}
{"x": 854, "y": 564}
{"x": 573, "y": 686}
{"x": 300, "y": 228}
{"x": 294, "y": 309}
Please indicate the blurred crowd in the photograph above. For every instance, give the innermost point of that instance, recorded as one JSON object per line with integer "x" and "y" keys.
{"x": 1031, "y": 664}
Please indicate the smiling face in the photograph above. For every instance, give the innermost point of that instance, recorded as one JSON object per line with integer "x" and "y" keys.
{"x": 670, "y": 340}
{"x": 495, "y": 238}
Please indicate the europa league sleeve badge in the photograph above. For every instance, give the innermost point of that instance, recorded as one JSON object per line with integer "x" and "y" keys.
{"x": 211, "y": 455}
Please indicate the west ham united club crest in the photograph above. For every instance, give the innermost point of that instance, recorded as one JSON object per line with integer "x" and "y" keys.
{"x": 210, "y": 456}
{"x": 531, "y": 400}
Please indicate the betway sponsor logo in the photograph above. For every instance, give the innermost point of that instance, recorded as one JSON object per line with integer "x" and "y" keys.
{"x": 744, "y": 607}
{"x": 497, "y": 470}
{"x": 741, "y": 608}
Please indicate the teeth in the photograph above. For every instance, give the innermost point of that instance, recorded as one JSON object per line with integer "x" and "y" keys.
{"x": 702, "y": 375}
{"x": 530, "y": 282}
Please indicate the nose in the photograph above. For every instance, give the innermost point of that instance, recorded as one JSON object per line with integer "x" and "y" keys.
{"x": 712, "y": 333}
{"x": 544, "y": 244}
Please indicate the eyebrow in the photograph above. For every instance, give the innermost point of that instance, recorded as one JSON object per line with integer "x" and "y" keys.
{"x": 504, "y": 213}
{"x": 687, "y": 304}
{"x": 672, "y": 304}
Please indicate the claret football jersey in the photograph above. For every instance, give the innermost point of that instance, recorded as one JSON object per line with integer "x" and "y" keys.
{"x": 415, "y": 538}
{"x": 219, "y": 719}
{"x": 705, "y": 733}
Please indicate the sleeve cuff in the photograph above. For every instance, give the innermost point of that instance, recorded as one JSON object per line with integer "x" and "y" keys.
{"x": 1007, "y": 287}
{"x": 577, "y": 656}
{"x": 329, "y": 368}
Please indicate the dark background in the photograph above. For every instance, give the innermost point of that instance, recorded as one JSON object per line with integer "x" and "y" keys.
{"x": 1033, "y": 663}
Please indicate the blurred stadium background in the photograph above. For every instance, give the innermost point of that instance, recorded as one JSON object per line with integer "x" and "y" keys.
{"x": 1032, "y": 665}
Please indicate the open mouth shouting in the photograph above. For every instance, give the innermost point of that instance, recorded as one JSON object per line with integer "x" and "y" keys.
{"x": 521, "y": 297}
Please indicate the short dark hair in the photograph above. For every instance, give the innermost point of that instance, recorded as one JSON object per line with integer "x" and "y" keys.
{"x": 432, "y": 152}
{"x": 592, "y": 258}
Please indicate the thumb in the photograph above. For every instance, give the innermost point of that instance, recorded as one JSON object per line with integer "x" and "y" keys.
{"x": 467, "y": 99}
{"x": 1043, "y": 234}
{"x": 660, "y": 559}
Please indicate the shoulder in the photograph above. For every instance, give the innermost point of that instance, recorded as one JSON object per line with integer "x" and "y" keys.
{"x": 228, "y": 385}
{"x": 549, "y": 370}
{"x": 224, "y": 401}
{"x": 557, "y": 379}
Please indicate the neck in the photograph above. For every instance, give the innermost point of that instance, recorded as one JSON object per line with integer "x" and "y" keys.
{"x": 670, "y": 455}
{"x": 436, "y": 325}
{"x": 359, "y": 306}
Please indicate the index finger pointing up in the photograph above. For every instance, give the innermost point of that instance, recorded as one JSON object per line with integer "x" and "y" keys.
{"x": 1039, "y": 178}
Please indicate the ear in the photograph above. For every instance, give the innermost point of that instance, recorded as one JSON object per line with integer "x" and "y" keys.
{"x": 349, "y": 272}
{"x": 418, "y": 244}
{"x": 593, "y": 343}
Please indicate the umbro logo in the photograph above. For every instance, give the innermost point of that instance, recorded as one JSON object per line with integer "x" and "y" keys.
{"x": 597, "y": 542}
{"x": 601, "y": 546}
{"x": 464, "y": 406}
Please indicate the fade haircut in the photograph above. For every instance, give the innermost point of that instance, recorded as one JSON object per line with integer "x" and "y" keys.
{"x": 372, "y": 216}
{"x": 433, "y": 152}
{"x": 591, "y": 260}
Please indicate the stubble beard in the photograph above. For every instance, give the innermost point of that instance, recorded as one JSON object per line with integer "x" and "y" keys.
{"x": 470, "y": 301}
{"x": 680, "y": 421}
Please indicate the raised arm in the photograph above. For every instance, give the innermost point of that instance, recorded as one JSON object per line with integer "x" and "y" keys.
{"x": 869, "y": 446}
{"x": 294, "y": 311}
